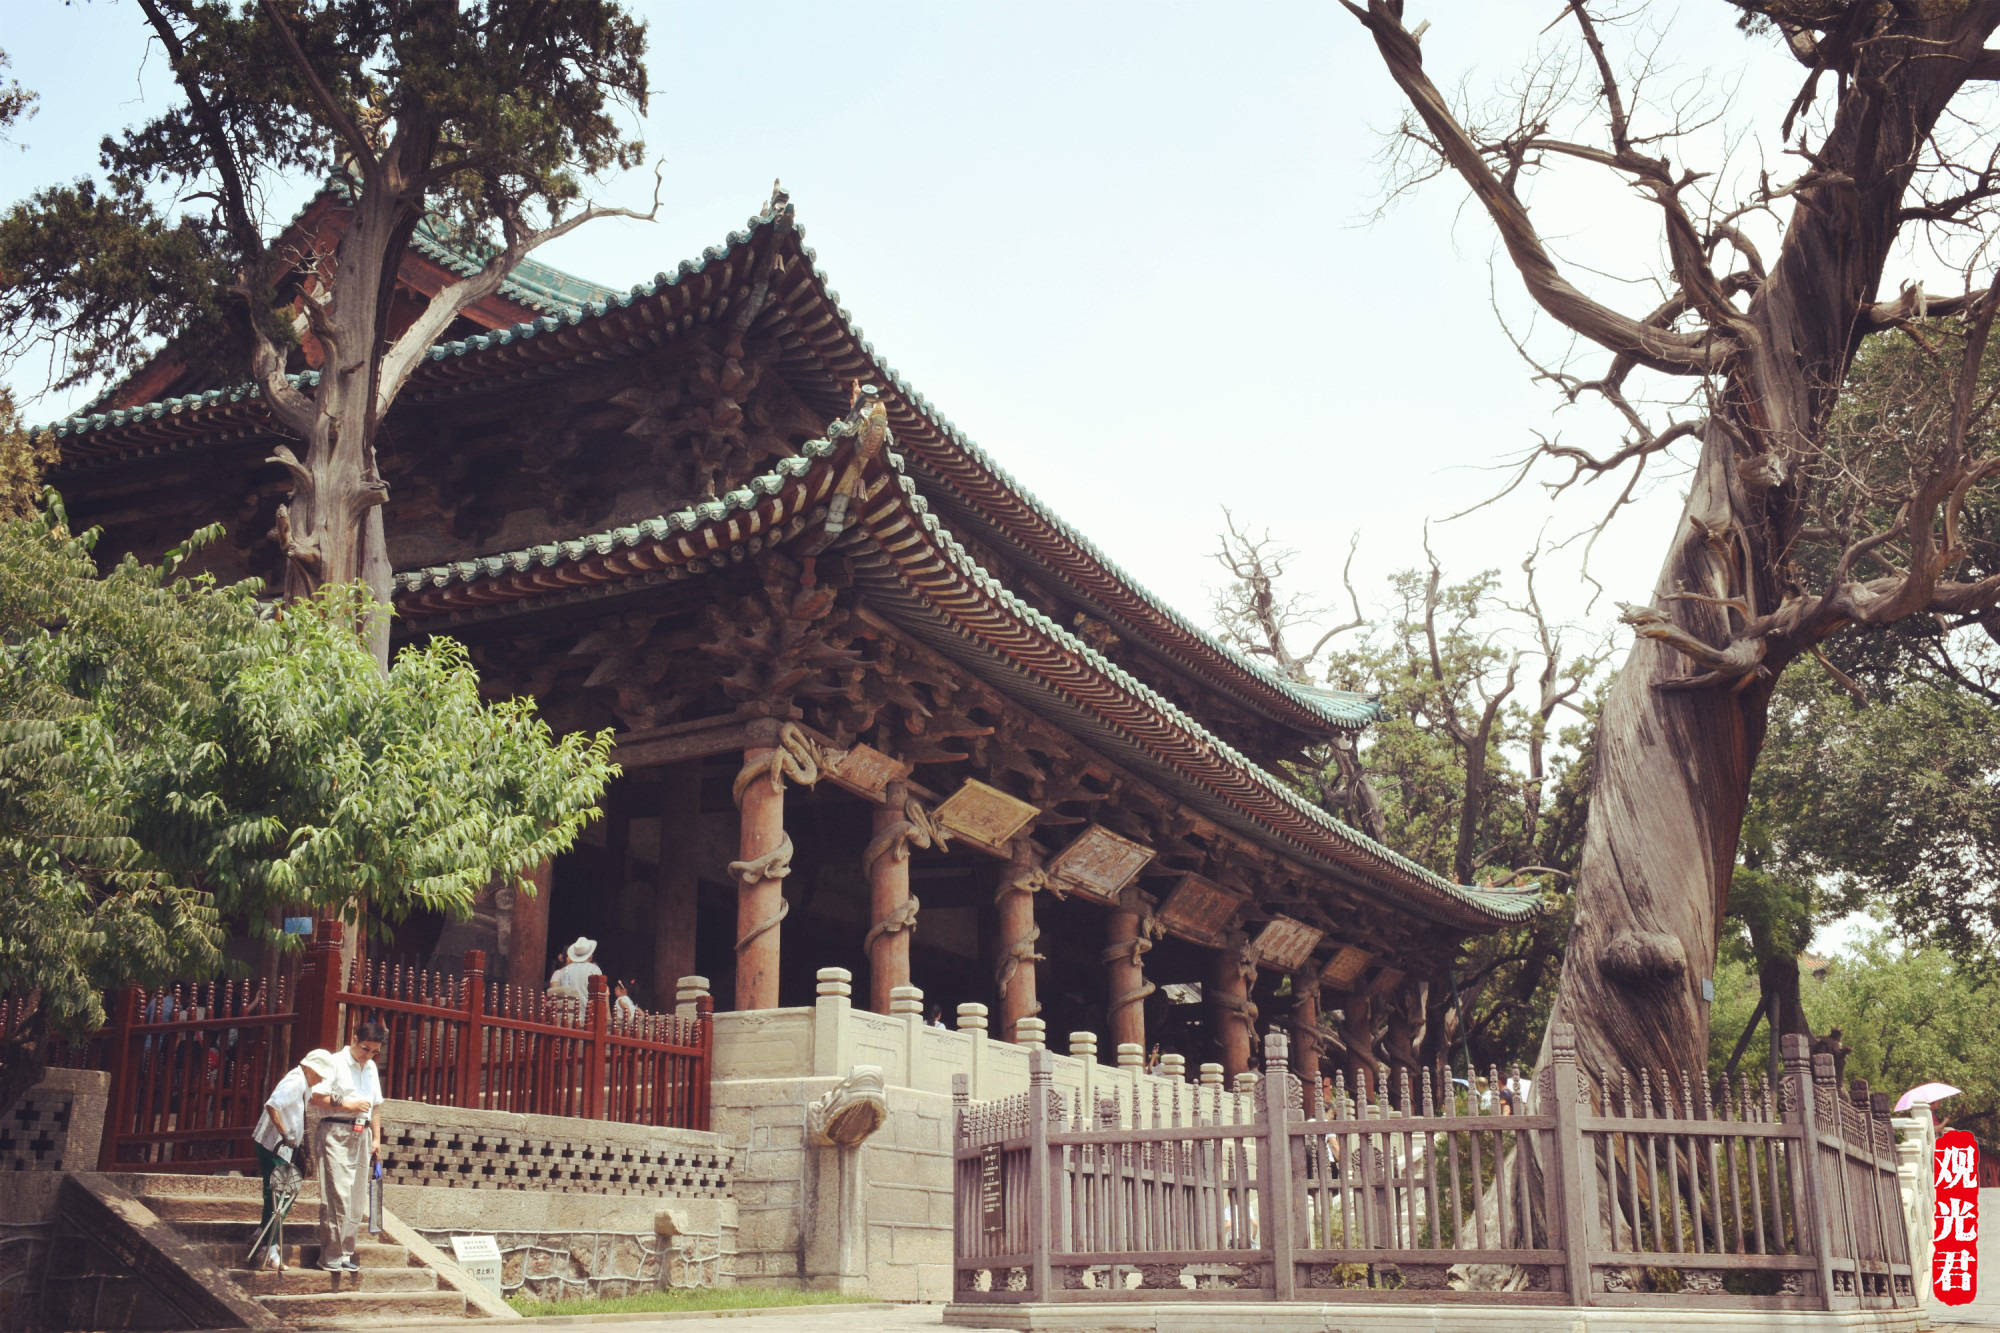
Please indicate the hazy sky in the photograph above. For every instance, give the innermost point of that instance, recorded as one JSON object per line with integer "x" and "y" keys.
{"x": 1126, "y": 247}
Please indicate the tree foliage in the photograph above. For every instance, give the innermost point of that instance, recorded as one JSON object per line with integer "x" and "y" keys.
{"x": 176, "y": 755}
{"x": 486, "y": 117}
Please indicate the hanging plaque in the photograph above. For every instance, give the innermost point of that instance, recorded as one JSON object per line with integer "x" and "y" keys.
{"x": 992, "y": 1199}
{"x": 1285, "y": 944}
{"x": 1199, "y": 910}
{"x": 866, "y": 771}
{"x": 1346, "y": 967}
{"x": 1099, "y": 862}
{"x": 985, "y": 815}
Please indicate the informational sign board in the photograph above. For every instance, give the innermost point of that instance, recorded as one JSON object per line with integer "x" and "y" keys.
{"x": 1955, "y": 1219}
{"x": 992, "y": 1202}
{"x": 479, "y": 1256}
{"x": 298, "y": 925}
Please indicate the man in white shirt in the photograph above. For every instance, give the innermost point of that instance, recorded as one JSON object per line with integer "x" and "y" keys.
{"x": 346, "y": 1140}
{"x": 573, "y": 978}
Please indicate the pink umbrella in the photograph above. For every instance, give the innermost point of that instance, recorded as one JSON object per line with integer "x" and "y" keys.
{"x": 1925, "y": 1092}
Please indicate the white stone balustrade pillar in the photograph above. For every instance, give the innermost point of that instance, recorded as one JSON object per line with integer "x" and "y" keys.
{"x": 686, "y": 992}
{"x": 972, "y": 1019}
{"x": 833, "y": 1038}
{"x": 907, "y": 1003}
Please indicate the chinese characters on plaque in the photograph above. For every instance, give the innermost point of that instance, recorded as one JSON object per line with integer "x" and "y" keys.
{"x": 1955, "y": 1221}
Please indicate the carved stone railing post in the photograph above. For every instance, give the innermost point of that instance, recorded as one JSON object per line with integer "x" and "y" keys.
{"x": 688, "y": 992}
{"x": 1039, "y": 1174}
{"x": 1572, "y": 1178}
{"x": 901, "y": 824}
{"x": 1796, "y": 1104}
{"x": 972, "y": 1022}
{"x": 1279, "y": 1167}
{"x": 907, "y": 1003}
{"x": 832, "y": 1038}
{"x": 1032, "y": 1033}
{"x": 1916, "y": 1143}
{"x": 1132, "y": 1068}
{"x": 1083, "y": 1049}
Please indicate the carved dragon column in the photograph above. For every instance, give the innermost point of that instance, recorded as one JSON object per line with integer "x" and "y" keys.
{"x": 1305, "y": 1028}
{"x": 901, "y": 823}
{"x": 1357, "y": 1029}
{"x": 1015, "y": 902}
{"x": 777, "y": 753}
{"x": 1130, "y": 933}
{"x": 1231, "y": 1012}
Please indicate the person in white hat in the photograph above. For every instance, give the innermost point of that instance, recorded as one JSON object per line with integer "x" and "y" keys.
{"x": 280, "y": 1133}
{"x": 573, "y": 977}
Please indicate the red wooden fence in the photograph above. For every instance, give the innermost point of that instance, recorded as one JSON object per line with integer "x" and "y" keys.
{"x": 191, "y": 1065}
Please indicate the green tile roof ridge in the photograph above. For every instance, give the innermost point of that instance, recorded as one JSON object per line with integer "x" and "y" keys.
{"x": 531, "y": 282}
{"x": 543, "y": 555}
{"x": 1338, "y": 708}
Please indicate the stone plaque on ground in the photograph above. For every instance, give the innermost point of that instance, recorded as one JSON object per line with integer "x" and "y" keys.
{"x": 1199, "y": 910}
{"x": 1286, "y": 944}
{"x": 479, "y": 1256}
{"x": 1099, "y": 862}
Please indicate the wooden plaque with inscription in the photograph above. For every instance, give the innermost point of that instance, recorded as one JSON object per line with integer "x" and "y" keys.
{"x": 1199, "y": 910}
{"x": 1346, "y": 967}
{"x": 985, "y": 815}
{"x": 1285, "y": 944}
{"x": 866, "y": 771}
{"x": 1098, "y": 863}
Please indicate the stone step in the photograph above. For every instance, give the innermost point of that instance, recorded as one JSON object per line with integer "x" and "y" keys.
{"x": 179, "y": 1208}
{"x": 307, "y": 1280}
{"x": 161, "y": 1182}
{"x": 230, "y": 1253}
{"x": 343, "y": 1309}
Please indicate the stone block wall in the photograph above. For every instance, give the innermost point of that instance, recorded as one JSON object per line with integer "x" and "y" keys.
{"x": 771, "y": 1064}
{"x": 57, "y": 1127}
{"x": 578, "y": 1207}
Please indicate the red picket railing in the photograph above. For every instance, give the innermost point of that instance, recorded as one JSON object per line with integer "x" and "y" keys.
{"x": 191, "y": 1065}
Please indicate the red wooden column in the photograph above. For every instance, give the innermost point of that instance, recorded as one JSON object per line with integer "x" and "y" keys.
{"x": 1357, "y": 1029}
{"x": 1305, "y": 1030}
{"x": 528, "y": 935}
{"x": 1233, "y": 1017}
{"x": 1015, "y": 907}
{"x": 1125, "y": 984}
{"x": 892, "y": 908}
{"x": 766, "y": 858}
{"x": 674, "y": 887}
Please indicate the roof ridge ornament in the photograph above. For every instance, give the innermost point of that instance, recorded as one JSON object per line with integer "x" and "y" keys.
{"x": 781, "y": 200}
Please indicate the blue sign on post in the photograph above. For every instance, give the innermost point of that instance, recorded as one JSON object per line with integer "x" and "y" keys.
{"x": 298, "y": 925}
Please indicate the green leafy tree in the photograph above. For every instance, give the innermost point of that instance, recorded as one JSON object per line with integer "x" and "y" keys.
{"x": 486, "y": 116}
{"x": 176, "y": 755}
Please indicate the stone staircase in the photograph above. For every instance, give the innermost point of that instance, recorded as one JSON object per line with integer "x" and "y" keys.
{"x": 219, "y": 1214}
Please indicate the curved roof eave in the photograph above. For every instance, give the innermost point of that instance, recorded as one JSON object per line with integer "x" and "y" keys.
{"x": 1019, "y": 650}
{"x": 828, "y": 337}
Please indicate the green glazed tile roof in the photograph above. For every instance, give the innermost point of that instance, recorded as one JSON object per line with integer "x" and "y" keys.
{"x": 971, "y": 617}
{"x": 827, "y": 339}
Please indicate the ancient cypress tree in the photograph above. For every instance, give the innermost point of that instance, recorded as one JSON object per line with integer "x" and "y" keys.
{"x": 487, "y": 117}
{"x": 1782, "y": 543}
